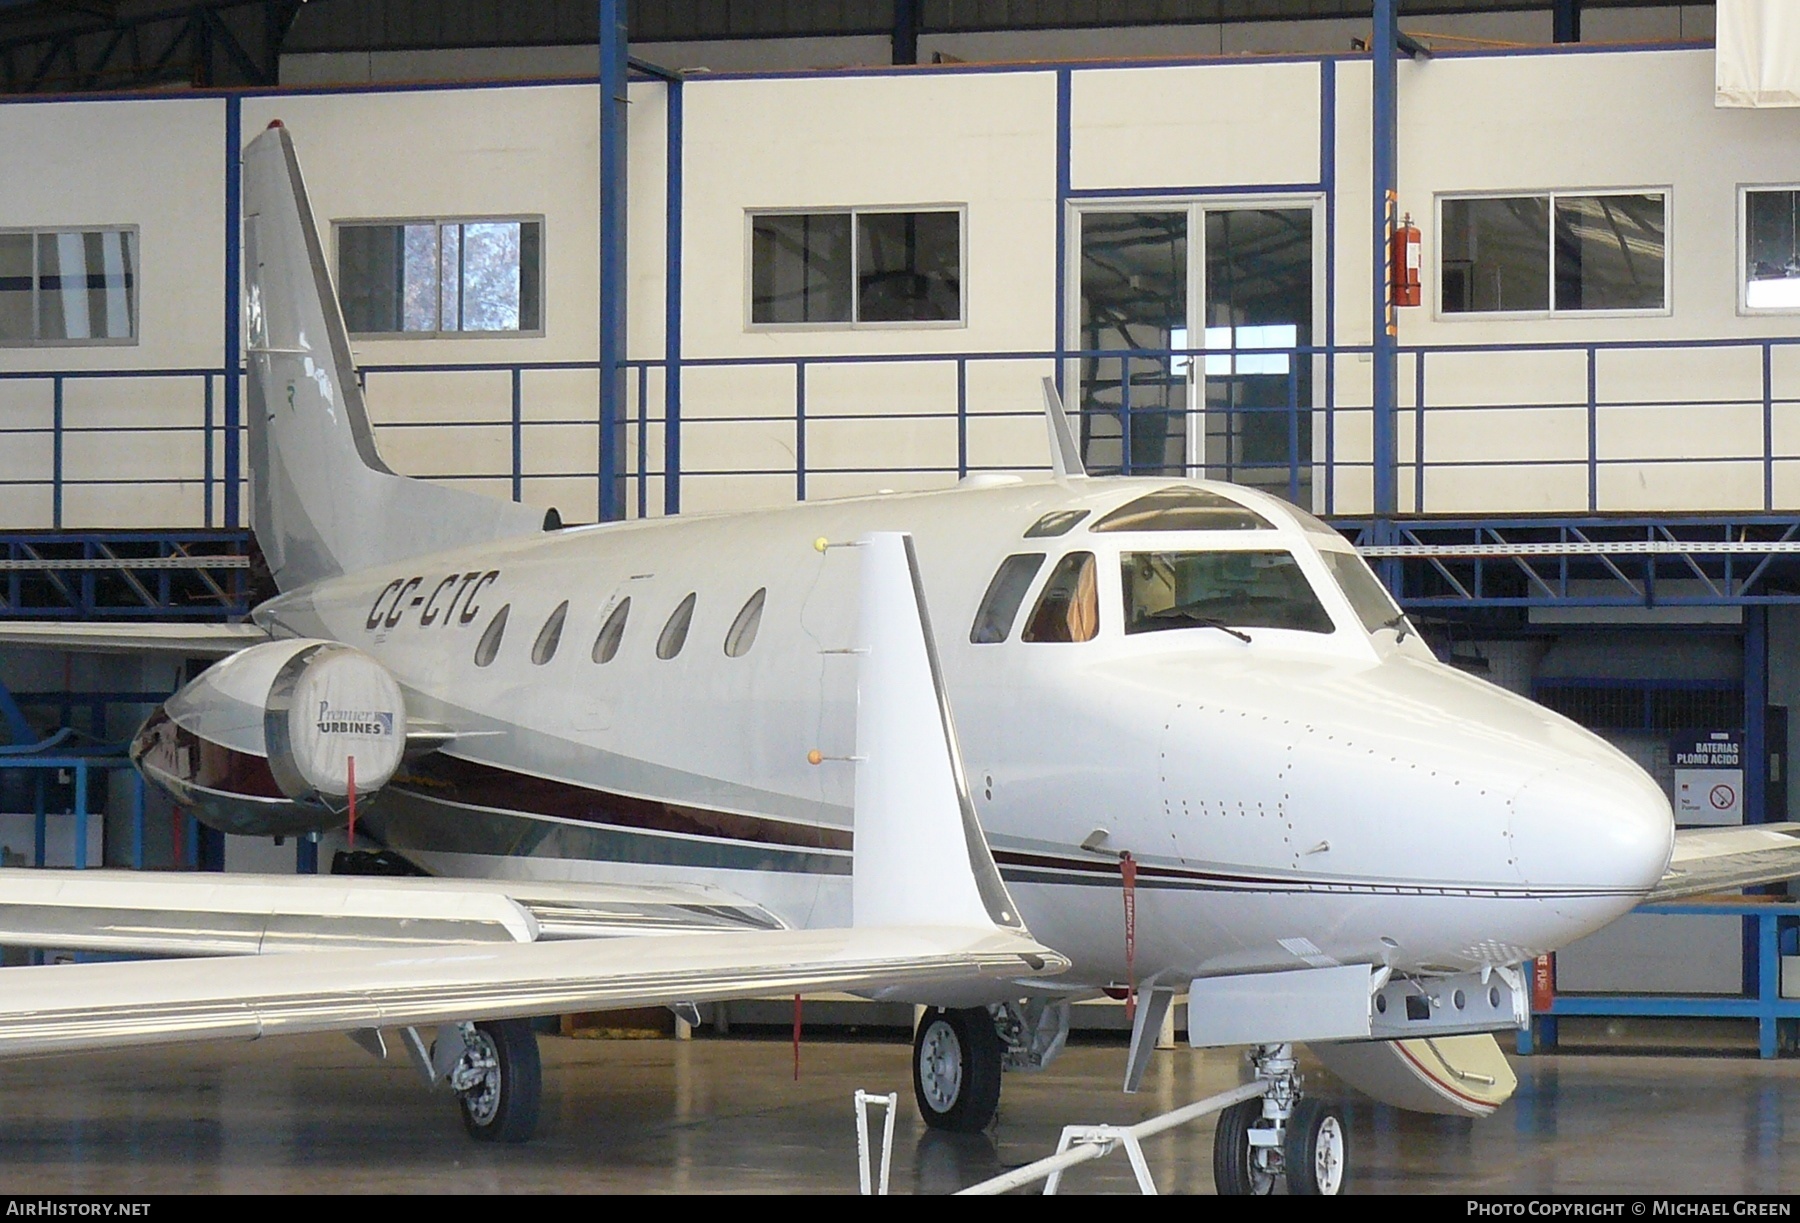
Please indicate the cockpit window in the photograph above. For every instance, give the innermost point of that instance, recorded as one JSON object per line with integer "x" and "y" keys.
{"x": 1316, "y": 526}
{"x": 994, "y": 618}
{"x": 1369, "y": 599}
{"x": 1181, "y": 508}
{"x": 1069, "y": 608}
{"x": 1056, "y": 522}
{"x": 1252, "y": 589}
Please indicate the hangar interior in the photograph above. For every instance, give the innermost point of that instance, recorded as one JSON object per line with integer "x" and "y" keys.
{"x": 838, "y": 246}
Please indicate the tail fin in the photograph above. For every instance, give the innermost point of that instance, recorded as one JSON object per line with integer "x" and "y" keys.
{"x": 322, "y": 501}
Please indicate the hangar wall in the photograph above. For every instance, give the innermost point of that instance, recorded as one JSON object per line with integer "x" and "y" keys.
{"x": 1288, "y": 131}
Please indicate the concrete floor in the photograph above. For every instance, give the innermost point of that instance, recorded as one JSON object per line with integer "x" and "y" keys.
{"x": 724, "y": 1115}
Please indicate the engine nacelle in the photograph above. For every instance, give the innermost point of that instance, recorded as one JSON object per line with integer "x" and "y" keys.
{"x": 264, "y": 743}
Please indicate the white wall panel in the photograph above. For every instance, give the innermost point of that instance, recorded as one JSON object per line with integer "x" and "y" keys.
{"x": 157, "y": 164}
{"x": 1212, "y": 125}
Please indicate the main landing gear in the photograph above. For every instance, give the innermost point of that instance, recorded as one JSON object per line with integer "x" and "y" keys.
{"x": 957, "y": 1060}
{"x": 1279, "y": 1136}
{"x": 494, "y": 1070}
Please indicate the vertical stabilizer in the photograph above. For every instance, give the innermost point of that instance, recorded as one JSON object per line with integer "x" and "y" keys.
{"x": 915, "y": 823}
{"x": 322, "y": 501}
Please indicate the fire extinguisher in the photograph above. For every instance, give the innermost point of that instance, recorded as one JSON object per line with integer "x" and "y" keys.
{"x": 1404, "y": 260}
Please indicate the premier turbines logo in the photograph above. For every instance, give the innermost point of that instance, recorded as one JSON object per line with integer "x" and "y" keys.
{"x": 353, "y": 721}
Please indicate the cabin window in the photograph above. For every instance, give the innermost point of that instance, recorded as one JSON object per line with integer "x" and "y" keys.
{"x": 441, "y": 277}
{"x": 607, "y": 643}
{"x": 1181, "y": 508}
{"x": 1240, "y": 590}
{"x": 674, "y": 634}
{"x": 742, "y": 634}
{"x": 69, "y": 286}
{"x": 489, "y": 645}
{"x": 1069, "y": 608}
{"x": 1506, "y": 254}
{"x": 1369, "y": 599}
{"x": 994, "y": 618}
{"x": 1056, "y": 522}
{"x": 550, "y": 636}
{"x": 853, "y": 267}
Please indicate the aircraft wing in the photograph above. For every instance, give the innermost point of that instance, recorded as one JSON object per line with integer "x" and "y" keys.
{"x": 62, "y": 1008}
{"x": 130, "y": 637}
{"x": 1725, "y": 859}
{"x": 204, "y": 914}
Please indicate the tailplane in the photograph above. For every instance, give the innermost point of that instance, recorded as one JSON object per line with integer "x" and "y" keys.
{"x": 322, "y": 501}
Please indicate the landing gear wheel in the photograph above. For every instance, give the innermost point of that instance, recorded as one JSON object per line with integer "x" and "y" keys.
{"x": 1239, "y": 1169}
{"x": 1317, "y": 1151}
{"x": 956, "y": 1069}
{"x": 499, "y": 1081}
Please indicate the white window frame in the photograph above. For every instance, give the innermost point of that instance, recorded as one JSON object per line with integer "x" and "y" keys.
{"x": 1745, "y": 309}
{"x": 543, "y": 261}
{"x": 1439, "y": 314}
{"x": 856, "y": 324}
{"x": 137, "y": 289}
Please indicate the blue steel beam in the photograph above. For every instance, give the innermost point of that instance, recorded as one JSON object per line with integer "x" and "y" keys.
{"x": 614, "y": 83}
{"x": 1383, "y": 49}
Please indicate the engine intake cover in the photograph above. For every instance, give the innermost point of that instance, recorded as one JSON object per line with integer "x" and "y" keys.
{"x": 329, "y": 705}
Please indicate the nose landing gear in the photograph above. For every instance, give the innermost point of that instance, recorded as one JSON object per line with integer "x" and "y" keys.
{"x": 1280, "y": 1136}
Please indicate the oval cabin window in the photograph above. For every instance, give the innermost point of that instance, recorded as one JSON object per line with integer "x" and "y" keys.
{"x": 674, "y": 634}
{"x": 490, "y": 640}
{"x": 612, "y": 632}
{"x": 743, "y": 630}
{"x": 550, "y": 636}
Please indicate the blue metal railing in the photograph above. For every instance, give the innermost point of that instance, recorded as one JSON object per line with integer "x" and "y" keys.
{"x": 1575, "y": 427}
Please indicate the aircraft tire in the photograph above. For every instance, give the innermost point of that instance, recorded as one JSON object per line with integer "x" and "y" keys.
{"x": 957, "y": 1062}
{"x": 1235, "y": 1173}
{"x": 1317, "y": 1150}
{"x": 503, "y": 1106}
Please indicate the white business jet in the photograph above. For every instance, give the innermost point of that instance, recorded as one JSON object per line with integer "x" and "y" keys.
{"x": 1179, "y": 699}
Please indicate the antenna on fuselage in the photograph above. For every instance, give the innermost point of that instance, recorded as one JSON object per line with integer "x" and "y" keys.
{"x": 1065, "y": 452}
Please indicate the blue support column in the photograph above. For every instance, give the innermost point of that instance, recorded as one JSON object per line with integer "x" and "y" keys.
{"x": 234, "y": 225}
{"x": 306, "y": 854}
{"x": 1756, "y": 715}
{"x": 137, "y": 820}
{"x": 672, "y": 310}
{"x": 1566, "y": 20}
{"x": 614, "y": 83}
{"x": 906, "y": 31}
{"x": 81, "y": 815}
{"x": 1383, "y": 47}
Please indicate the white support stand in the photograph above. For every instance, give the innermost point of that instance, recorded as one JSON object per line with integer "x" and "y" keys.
{"x": 890, "y": 1103}
{"x": 1107, "y": 1137}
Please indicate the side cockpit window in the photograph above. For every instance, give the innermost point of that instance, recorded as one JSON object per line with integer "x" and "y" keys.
{"x": 1069, "y": 608}
{"x": 1369, "y": 599}
{"x": 1000, "y": 605}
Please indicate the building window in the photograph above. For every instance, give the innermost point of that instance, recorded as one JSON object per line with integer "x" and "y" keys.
{"x": 438, "y": 278}
{"x": 848, "y": 267}
{"x": 68, "y": 286}
{"x": 1552, "y": 253}
{"x": 1771, "y": 230}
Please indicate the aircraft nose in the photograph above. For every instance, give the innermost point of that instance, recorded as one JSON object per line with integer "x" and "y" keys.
{"x": 1593, "y": 825}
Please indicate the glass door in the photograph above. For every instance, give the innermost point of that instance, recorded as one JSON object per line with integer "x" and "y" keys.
{"x": 1236, "y": 282}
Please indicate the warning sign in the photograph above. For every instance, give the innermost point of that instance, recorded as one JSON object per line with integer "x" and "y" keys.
{"x": 1709, "y": 777}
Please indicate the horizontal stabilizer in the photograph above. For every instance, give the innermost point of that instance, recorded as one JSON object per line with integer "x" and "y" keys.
{"x": 1725, "y": 859}
{"x": 134, "y": 637}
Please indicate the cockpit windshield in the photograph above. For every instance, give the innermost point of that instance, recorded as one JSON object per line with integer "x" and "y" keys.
{"x": 1369, "y": 599}
{"x": 1238, "y": 589}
